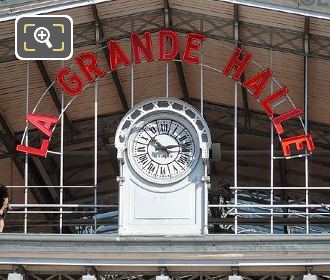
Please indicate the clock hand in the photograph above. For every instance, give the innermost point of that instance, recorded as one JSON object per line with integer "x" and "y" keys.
{"x": 160, "y": 145}
{"x": 154, "y": 141}
{"x": 171, "y": 152}
{"x": 175, "y": 146}
{"x": 163, "y": 149}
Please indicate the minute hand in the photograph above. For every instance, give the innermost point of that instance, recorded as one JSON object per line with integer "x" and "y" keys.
{"x": 175, "y": 146}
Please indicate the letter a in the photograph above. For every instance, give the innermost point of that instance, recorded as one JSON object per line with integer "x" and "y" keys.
{"x": 117, "y": 55}
{"x": 257, "y": 83}
{"x": 42, "y": 122}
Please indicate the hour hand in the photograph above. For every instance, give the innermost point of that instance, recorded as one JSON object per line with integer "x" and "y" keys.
{"x": 153, "y": 140}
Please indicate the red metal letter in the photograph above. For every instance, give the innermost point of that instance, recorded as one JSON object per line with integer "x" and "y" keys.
{"x": 237, "y": 62}
{"x": 298, "y": 141}
{"x": 42, "y": 122}
{"x": 284, "y": 117}
{"x": 74, "y": 79}
{"x": 34, "y": 151}
{"x": 191, "y": 46}
{"x": 257, "y": 83}
{"x": 162, "y": 36}
{"x": 117, "y": 55}
{"x": 146, "y": 49}
{"x": 271, "y": 99}
{"x": 90, "y": 67}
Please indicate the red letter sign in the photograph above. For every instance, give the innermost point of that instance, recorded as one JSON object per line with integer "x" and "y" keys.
{"x": 239, "y": 64}
{"x": 284, "y": 117}
{"x": 138, "y": 46}
{"x": 90, "y": 68}
{"x": 34, "y": 151}
{"x": 191, "y": 46}
{"x": 74, "y": 79}
{"x": 257, "y": 83}
{"x": 298, "y": 141}
{"x": 162, "y": 36}
{"x": 42, "y": 122}
{"x": 117, "y": 55}
{"x": 271, "y": 99}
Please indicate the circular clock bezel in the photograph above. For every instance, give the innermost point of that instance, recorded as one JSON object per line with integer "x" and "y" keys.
{"x": 169, "y": 115}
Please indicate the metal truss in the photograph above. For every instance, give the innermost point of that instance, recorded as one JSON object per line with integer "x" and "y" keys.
{"x": 114, "y": 74}
{"x": 217, "y": 28}
{"x": 52, "y": 91}
{"x": 168, "y": 23}
{"x": 260, "y": 123}
{"x": 213, "y": 27}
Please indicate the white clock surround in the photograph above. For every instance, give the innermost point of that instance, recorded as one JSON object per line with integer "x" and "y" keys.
{"x": 163, "y": 151}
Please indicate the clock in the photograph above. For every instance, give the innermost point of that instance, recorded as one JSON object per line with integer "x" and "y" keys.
{"x": 163, "y": 148}
{"x": 163, "y": 152}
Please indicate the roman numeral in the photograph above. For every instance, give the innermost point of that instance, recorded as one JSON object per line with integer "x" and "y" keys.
{"x": 184, "y": 137}
{"x": 162, "y": 170}
{"x": 189, "y": 143}
{"x": 183, "y": 159}
{"x": 142, "y": 149}
{"x": 174, "y": 168}
{"x": 143, "y": 159}
{"x": 151, "y": 167}
{"x": 163, "y": 127}
{"x": 153, "y": 129}
{"x": 176, "y": 127}
{"x": 185, "y": 149}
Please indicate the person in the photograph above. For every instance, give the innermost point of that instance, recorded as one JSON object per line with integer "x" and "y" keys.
{"x": 4, "y": 202}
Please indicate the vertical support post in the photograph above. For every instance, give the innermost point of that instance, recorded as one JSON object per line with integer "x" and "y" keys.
{"x": 120, "y": 180}
{"x": 26, "y": 169}
{"x": 272, "y": 178}
{"x": 62, "y": 158}
{"x": 235, "y": 157}
{"x": 206, "y": 198}
{"x": 236, "y": 37}
{"x": 167, "y": 87}
{"x": 95, "y": 152}
{"x": 206, "y": 178}
{"x": 202, "y": 71}
{"x": 306, "y": 48}
{"x": 167, "y": 26}
{"x": 132, "y": 69}
{"x": 97, "y": 37}
{"x": 271, "y": 152}
{"x": 132, "y": 85}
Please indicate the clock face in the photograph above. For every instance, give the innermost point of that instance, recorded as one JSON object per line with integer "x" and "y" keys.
{"x": 164, "y": 150}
